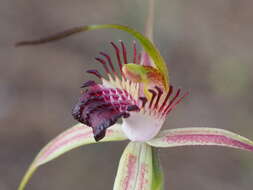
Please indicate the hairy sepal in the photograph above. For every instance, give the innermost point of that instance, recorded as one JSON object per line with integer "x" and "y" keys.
{"x": 74, "y": 137}
{"x": 201, "y": 136}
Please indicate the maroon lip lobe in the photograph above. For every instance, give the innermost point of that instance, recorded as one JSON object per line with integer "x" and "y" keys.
{"x": 101, "y": 107}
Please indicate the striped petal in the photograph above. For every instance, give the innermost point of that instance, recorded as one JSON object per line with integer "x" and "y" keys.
{"x": 135, "y": 168}
{"x": 201, "y": 136}
{"x": 74, "y": 137}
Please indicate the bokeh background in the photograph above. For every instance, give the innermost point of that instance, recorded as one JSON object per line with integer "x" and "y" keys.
{"x": 208, "y": 46}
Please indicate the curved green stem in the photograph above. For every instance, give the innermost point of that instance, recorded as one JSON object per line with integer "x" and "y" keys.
{"x": 145, "y": 42}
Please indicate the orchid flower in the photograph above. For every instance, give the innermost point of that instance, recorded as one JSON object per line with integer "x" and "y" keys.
{"x": 135, "y": 89}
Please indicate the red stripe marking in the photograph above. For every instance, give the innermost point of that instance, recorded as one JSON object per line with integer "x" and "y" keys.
{"x": 124, "y": 51}
{"x": 60, "y": 141}
{"x": 135, "y": 52}
{"x": 172, "y": 101}
{"x": 159, "y": 94}
{"x": 103, "y": 62}
{"x": 166, "y": 98}
{"x": 177, "y": 102}
{"x": 109, "y": 61}
{"x": 143, "y": 174}
{"x": 71, "y": 130}
{"x": 59, "y": 144}
{"x": 206, "y": 139}
{"x": 117, "y": 51}
{"x": 131, "y": 164}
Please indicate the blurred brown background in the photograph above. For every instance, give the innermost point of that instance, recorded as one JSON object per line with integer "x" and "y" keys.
{"x": 208, "y": 46}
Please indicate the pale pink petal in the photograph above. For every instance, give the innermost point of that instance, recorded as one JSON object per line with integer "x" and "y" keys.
{"x": 74, "y": 137}
{"x": 145, "y": 59}
{"x": 201, "y": 136}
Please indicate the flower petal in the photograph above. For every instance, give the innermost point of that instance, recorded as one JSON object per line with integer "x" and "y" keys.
{"x": 201, "y": 136}
{"x": 146, "y": 43}
{"x": 135, "y": 168}
{"x": 74, "y": 137}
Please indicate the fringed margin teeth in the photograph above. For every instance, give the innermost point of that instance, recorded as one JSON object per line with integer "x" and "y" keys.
{"x": 173, "y": 106}
{"x": 123, "y": 51}
{"x": 117, "y": 52}
{"x": 158, "y": 109}
{"x": 103, "y": 62}
{"x": 116, "y": 78}
{"x": 160, "y": 104}
{"x": 94, "y": 72}
{"x": 160, "y": 92}
{"x": 109, "y": 60}
{"x": 88, "y": 83}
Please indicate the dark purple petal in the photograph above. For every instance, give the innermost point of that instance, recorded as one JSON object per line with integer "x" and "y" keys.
{"x": 101, "y": 107}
